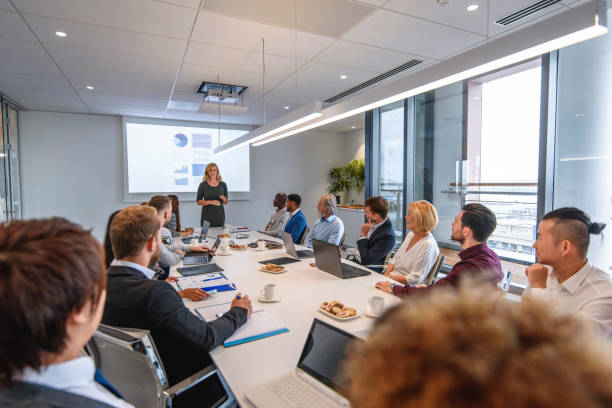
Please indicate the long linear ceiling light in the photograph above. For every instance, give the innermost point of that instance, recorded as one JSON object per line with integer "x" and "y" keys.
{"x": 301, "y": 115}
{"x": 570, "y": 27}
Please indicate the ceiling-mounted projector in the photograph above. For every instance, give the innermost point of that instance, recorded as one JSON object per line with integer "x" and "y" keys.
{"x": 222, "y": 93}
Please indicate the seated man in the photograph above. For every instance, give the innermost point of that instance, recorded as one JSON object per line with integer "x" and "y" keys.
{"x": 174, "y": 250}
{"x": 471, "y": 228}
{"x": 297, "y": 223}
{"x": 473, "y": 348}
{"x": 280, "y": 217}
{"x": 377, "y": 237}
{"x": 135, "y": 300}
{"x": 329, "y": 227}
{"x": 52, "y": 286}
{"x": 575, "y": 284}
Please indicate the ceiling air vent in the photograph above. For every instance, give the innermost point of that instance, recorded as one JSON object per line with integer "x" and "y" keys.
{"x": 394, "y": 71}
{"x": 524, "y": 12}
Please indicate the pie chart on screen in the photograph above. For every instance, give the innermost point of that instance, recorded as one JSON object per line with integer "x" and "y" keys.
{"x": 180, "y": 140}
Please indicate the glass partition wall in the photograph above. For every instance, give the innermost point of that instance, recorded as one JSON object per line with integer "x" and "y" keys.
{"x": 10, "y": 194}
{"x": 521, "y": 140}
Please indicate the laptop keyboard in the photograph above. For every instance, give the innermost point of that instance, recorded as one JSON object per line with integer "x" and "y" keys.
{"x": 195, "y": 260}
{"x": 298, "y": 395}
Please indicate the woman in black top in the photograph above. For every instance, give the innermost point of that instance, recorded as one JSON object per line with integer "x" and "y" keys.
{"x": 212, "y": 196}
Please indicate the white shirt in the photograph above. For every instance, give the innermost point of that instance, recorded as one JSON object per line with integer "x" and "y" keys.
{"x": 145, "y": 271}
{"x": 587, "y": 292}
{"x": 418, "y": 260}
{"x": 76, "y": 377}
{"x": 372, "y": 229}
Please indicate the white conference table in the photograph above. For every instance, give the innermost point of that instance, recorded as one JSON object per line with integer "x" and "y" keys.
{"x": 302, "y": 289}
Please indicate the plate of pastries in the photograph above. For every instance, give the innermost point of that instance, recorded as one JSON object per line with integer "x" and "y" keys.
{"x": 338, "y": 311}
{"x": 239, "y": 247}
{"x": 273, "y": 268}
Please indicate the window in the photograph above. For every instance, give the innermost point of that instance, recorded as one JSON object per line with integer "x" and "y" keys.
{"x": 10, "y": 198}
{"x": 390, "y": 142}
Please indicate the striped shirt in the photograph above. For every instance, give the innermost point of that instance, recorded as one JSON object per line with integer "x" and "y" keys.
{"x": 330, "y": 229}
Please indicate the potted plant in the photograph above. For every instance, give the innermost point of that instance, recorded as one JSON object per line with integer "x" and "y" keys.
{"x": 340, "y": 182}
{"x": 356, "y": 172}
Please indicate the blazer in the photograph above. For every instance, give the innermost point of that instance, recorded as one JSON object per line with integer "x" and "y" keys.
{"x": 23, "y": 394}
{"x": 182, "y": 339}
{"x": 296, "y": 225}
{"x": 373, "y": 250}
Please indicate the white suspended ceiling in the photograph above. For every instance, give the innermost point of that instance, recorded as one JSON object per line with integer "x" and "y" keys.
{"x": 140, "y": 54}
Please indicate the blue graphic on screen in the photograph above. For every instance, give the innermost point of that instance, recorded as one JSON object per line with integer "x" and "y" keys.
{"x": 201, "y": 141}
{"x": 180, "y": 140}
{"x": 181, "y": 181}
{"x": 182, "y": 170}
{"x": 198, "y": 169}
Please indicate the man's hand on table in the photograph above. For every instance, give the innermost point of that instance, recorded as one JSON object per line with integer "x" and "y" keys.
{"x": 385, "y": 286}
{"x": 195, "y": 294}
{"x": 243, "y": 302}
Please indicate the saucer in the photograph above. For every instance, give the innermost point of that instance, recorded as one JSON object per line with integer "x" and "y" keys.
{"x": 220, "y": 254}
{"x": 368, "y": 312}
{"x": 264, "y": 300}
{"x": 257, "y": 249}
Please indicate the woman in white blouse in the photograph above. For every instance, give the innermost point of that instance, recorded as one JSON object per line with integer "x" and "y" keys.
{"x": 419, "y": 251}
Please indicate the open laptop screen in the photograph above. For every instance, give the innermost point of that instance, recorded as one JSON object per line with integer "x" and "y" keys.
{"x": 324, "y": 352}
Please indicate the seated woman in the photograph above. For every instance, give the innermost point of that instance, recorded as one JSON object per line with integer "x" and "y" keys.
{"x": 280, "y": 217}
{"x": 419, "y": 251}
{"x": 174, "y": 225}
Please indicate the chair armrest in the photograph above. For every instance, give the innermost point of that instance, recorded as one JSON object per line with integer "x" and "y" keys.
{"x": 189, "y": 382}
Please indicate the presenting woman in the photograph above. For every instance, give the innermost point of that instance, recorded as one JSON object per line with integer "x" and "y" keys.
{"x": 212, "y": 196}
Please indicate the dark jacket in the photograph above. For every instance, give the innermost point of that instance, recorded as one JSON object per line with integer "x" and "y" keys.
{"x": 374, "y": 250}
{"x": 22, "y": 395}
{"x": 296, "y": 226}
{"x": 478, "y": 262}
{"x": 182, "y": 339}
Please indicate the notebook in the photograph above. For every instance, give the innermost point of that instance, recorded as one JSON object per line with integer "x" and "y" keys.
{"x": 260, "y": 325}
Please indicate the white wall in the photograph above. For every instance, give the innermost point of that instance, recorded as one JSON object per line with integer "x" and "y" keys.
{"x": 72, "y": 166}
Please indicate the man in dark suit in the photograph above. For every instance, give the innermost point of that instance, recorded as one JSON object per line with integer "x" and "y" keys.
{"x": 377, "y": 235}
{"x": 297, "y": 223}
{"x": 137, "y": 301}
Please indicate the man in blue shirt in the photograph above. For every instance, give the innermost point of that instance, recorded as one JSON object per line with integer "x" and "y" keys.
{"x": 328, "y": 228}
{"x": 297, "y": 223}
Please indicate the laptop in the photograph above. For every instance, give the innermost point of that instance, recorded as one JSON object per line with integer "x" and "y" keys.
{"x": 270, "y": 233}
{"x": 290, "y": 247}
{"x": 327, "y": 258}
{"x": 199, "y": 258}
{"x": 317, "y": 380}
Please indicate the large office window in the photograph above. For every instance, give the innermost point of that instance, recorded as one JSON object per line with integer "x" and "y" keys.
{"x": 10, "y": 196}
{"x": 389, "y": 138}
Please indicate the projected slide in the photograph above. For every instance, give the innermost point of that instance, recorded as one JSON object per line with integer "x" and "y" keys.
{"x": 165, "y": 158}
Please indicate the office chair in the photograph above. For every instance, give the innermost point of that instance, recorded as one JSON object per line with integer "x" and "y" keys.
{"x": 382, "y": 267}
{"x": 129, "y": 359}
{"x": 504, "y": 284}
{"x": 302, "y": 237}
{"x": 435, "y": 269}
{"x": 342, "y": 240}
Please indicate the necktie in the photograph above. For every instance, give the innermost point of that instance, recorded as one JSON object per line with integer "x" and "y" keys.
{"x": 99, "y": 378}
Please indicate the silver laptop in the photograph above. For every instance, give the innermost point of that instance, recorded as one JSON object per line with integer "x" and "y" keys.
{"x": 290, "y": 247}
{"x": 327, "y": 258}
{"x": 317, "y": 379}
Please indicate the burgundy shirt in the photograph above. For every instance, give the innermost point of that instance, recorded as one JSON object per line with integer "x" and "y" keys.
{"x": 478, "y": 260}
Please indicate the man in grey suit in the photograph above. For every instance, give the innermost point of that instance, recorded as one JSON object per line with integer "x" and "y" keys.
{"x": 135, "y": 300}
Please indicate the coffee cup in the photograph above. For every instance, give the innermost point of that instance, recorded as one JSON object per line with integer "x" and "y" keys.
{"x": 261, "y": 245}
{"x": 194, "y": 242}
{"x": 377, "y": 304}
{"x": 269, "y": 291}
{"x": 223, "y": 249}
{"x": 226, "y": 229}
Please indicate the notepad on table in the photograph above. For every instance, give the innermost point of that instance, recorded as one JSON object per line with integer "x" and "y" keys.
{"x": 260, "y": 325}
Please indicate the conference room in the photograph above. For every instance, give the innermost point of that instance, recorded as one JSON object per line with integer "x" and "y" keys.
{"x": 264, "y": 203}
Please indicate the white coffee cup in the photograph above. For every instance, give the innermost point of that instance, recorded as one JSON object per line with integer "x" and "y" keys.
{"x": 377, "y": 304}
{"x": 194, "y": 242}
{"x": 226, "y": 230}
{"x": 261, "y": 245}
{"x": 269, "y": 291}
{"x": 223, "y": 249}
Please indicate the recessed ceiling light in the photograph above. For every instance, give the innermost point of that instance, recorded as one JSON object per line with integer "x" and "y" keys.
{"x": 343, "y": 77}
{"x": 91, "y": 88}
{"x": 60, "y": 34}
{"x": 353, "y": 127}
{"x": 286, "y": 108}
{"x": 472, "y": 7}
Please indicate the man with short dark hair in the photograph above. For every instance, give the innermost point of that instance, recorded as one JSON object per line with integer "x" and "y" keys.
{"x": 135, "y": 300}
{"x": 52, "y": 291}
{"x": 297, "y": 223}
{"x": 377, "y": 237}
{"x": 563, "y": 272}
{"x": 471, "y": 228}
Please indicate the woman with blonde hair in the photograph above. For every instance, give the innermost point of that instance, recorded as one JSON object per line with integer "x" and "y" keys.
{"x": 212, "y": 196}
{"x": 419, "y": 251}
